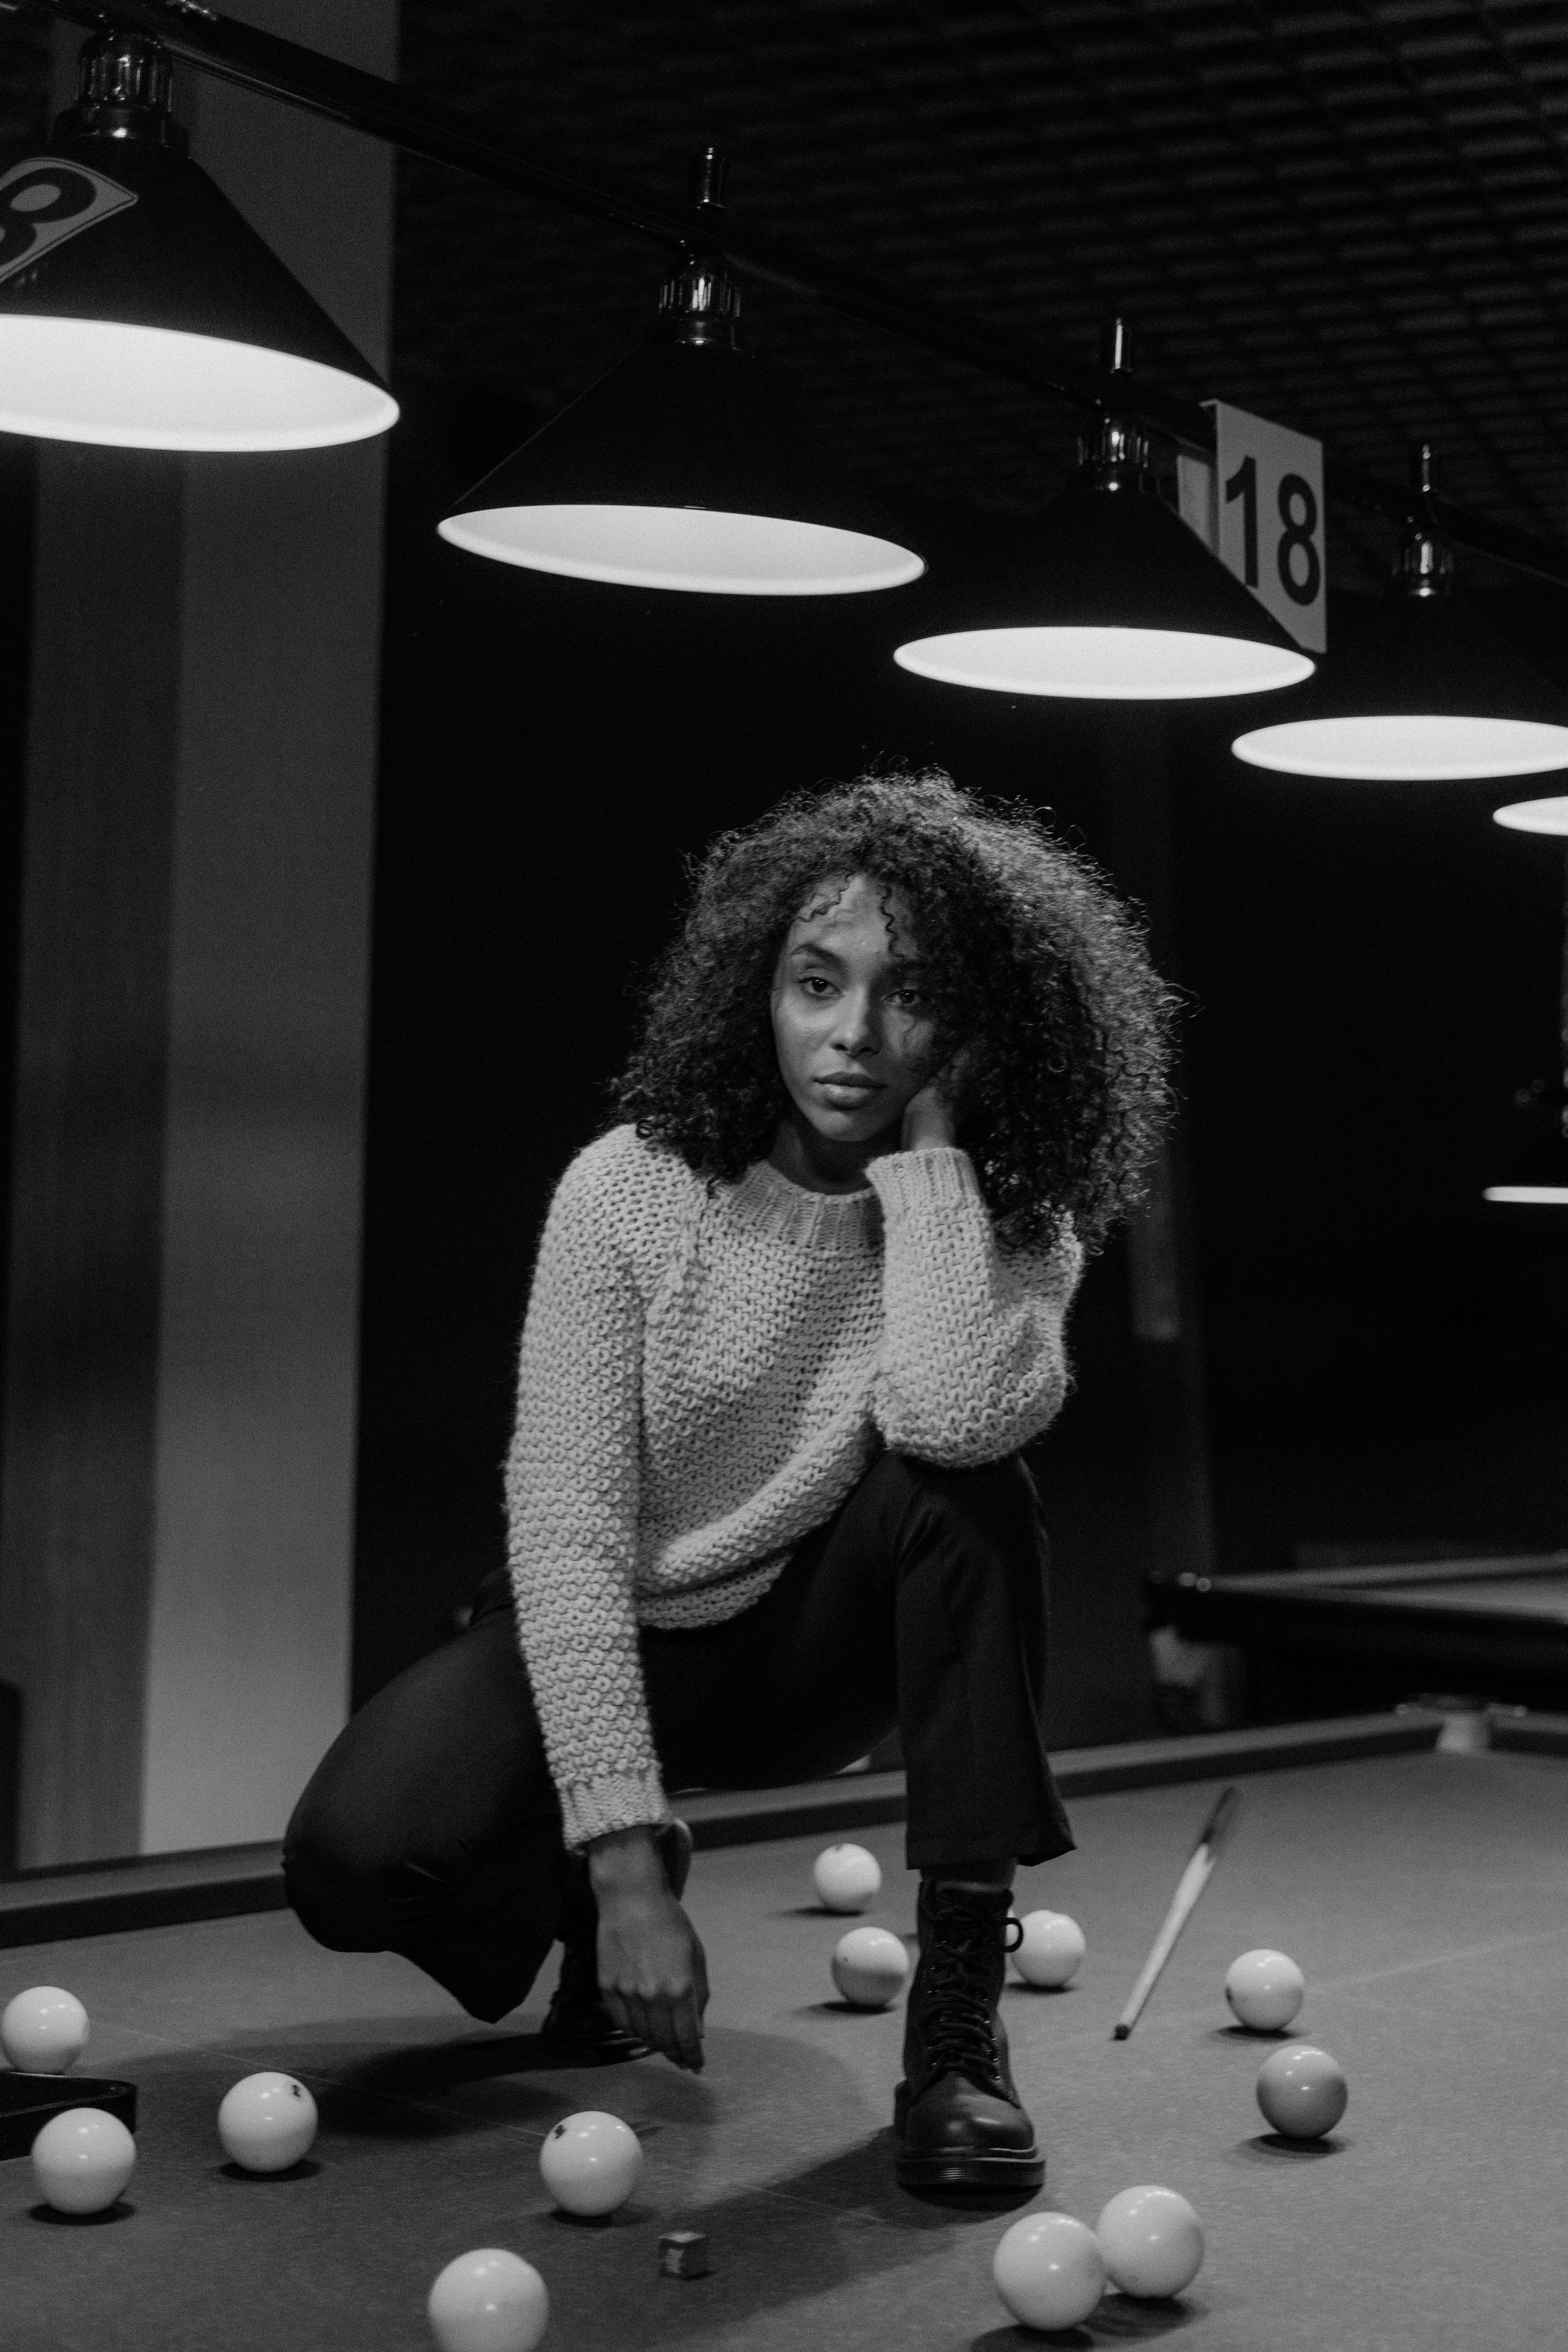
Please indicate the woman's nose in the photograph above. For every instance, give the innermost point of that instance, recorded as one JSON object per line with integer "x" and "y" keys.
{"x": 855, "y": 1029}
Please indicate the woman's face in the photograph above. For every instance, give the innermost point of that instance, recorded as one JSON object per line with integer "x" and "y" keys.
{"x": 853, "y": 1038}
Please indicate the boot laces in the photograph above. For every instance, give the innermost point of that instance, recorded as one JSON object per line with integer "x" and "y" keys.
{"x": 959, "y": 2024}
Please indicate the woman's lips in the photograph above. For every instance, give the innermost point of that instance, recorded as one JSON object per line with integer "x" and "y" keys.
{"x": 851, "y": 1086}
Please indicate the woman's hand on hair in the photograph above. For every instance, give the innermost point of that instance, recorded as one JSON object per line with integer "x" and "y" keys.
{"x": 931, "y": 1117}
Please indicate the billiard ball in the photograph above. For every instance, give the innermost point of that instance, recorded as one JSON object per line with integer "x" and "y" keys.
{"x": 266, "y": 2122}
{"x": 1052, "y": 1949}
{"x": 1049, "y": 2271}
{"x": 489, "y": 2301}
{"x": 43, "y": 2030}
{"x": 847, "y": 1877}
{"x": 869, "y": 1965}
{"x": 1265, "y": 1990}
{"x": 1303, "y": 2090}
{"x": 82, "y": 2160}
{"x": 591, "y": 2162}
{"x": 1151, "y": 2239}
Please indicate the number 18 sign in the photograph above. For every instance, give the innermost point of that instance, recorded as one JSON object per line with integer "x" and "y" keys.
{"x": 1259, "y": 507}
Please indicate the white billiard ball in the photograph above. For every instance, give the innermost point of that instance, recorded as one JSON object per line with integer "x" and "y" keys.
{"x": 1052, "y": 1949}
{"x": 1153, "y": 2241}
{"x": 591, "y": 2162}
{"x": 82, "y": 2160}
{"x": 1048, "y": 2270}
{"x": 489, "y": 2301}
{"x": 1265, "y": 1990}
{"x": 847, "y": 1877}
{"x": 44, "y": 2029}
{"x": 266, "y": 2122}
{"x": 870, "y": 1965}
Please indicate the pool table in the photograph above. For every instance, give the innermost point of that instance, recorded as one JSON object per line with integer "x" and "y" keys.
{"x": 1421, "y": 1882}
{"x": 1497, "y": 1628}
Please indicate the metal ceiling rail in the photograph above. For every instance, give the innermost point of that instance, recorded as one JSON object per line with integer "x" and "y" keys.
{"x": 364, "y": 102}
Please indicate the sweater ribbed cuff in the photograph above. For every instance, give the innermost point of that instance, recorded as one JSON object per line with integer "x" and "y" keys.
{"x": 913, "y": 1180}
{"x": 620, "y": 1801}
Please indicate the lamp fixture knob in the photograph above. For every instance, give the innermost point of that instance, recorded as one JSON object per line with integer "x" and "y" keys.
{"x": 1424, "y": 564}
{"x": 1115, "y": 453}
{"x": 700, "y": 297}
{"x": 124, "y": 86}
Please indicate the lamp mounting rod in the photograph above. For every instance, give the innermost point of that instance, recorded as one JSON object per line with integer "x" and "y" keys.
{"x": 301, "y": 77}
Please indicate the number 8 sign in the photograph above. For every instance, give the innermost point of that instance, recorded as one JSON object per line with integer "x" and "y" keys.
{"x": 1259, "y": 507}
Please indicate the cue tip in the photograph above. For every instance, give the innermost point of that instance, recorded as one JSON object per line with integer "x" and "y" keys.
{"x": 1119, "y": 2033}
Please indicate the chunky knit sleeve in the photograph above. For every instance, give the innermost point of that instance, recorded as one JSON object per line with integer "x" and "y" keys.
{"x": 974, "y": 1361}
{"x": 571, "y": 1484}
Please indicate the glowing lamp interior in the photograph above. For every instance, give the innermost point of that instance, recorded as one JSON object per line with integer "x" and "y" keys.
{"x": 1396, "y": 749}
{"x": 1111, "y": 665}
{"x": 1534, "y": 816}
{"x": 153, "y": 388}
{"x": 696, "y": 548}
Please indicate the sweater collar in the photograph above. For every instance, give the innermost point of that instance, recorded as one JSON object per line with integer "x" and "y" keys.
{"x": 816, "y": 1221}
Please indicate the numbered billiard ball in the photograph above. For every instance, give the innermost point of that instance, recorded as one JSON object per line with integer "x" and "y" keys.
{"x": 266, "y": 2122}
{"x": 489, "y": 2301}
{"x": 82, "y": 2160}
{"x": 847, "y": 1877}
{"x": 1049, "y": 2271}
{"x": 1151, "y": 2239}
{"x": 1303, "y": 2090}
{"x": 869, "y": 1965}
{"x": 44, "y": 2029}
{"x": 1265, "y": 1990}
{"x": 591, "y": 2162}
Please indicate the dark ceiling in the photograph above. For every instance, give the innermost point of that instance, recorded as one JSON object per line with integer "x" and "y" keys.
{"x": 1350, "y": 217}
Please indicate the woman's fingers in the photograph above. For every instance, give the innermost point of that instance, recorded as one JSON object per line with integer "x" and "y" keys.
{"x": 685, "y": 2024}
{"x": 653, "y": 1976}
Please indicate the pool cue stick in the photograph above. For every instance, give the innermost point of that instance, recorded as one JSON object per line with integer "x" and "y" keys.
{"x": 1194, "y": 1879}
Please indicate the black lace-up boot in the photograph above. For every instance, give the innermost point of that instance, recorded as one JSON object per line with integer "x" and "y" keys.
{"x": 577, "y": 2025}
{"x": 960, "y": 2121}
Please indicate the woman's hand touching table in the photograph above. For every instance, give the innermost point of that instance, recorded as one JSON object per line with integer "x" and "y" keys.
{"x": 653, "y": 1972}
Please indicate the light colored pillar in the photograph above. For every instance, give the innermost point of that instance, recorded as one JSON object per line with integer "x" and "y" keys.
{"x": 176, "y": 1552}
{"x": 247, "y": 1658}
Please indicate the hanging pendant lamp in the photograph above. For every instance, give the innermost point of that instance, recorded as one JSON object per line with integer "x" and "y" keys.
{"x": 1428, "y": 691}
{"x": 685, "y": 467}
{"x": 139, "y": 308}
{"x": 1123, "y": 603}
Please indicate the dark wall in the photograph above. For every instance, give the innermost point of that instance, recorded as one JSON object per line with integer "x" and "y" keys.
{"x": 1378, "y": 974}
{"x": 1371, "y": 974}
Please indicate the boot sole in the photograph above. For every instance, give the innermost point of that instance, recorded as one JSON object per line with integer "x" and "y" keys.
{"x": 1003, "y": 2170}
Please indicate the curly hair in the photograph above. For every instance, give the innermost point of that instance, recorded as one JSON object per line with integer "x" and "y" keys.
{"x": 1026, "y": 954}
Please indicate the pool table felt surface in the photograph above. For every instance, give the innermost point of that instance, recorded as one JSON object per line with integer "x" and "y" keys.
{"x": 1425, "y": 1896}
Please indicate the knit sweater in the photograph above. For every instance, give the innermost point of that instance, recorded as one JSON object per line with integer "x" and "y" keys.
{"x": 704, "y": 1378}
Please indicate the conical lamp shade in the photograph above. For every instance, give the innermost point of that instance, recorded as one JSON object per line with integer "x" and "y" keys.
{"x": 684, "y": 467}
{"x": 1124, "y": 603}
{"x": 1416, "y": 689}
{"x": 140, "y": 308}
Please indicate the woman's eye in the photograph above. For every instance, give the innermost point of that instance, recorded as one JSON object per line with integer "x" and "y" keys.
{"x": 812, "y": 980}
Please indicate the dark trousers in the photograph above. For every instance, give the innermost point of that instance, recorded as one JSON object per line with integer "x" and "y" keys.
{"x": 431, "y": 1827}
